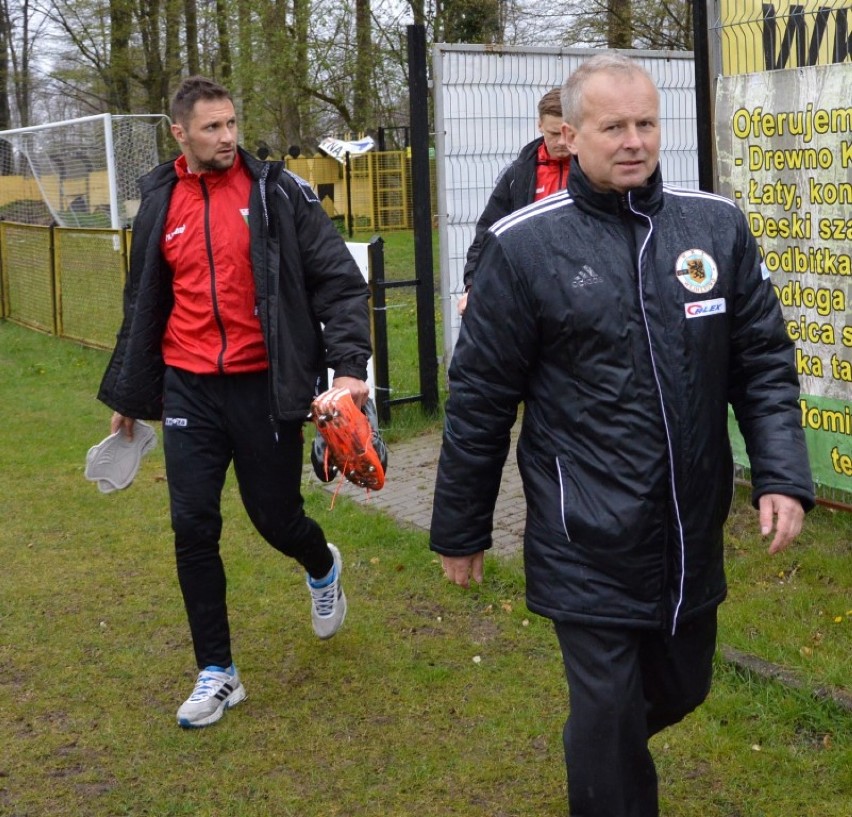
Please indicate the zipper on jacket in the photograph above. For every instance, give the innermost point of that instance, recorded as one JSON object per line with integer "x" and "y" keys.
{"x": 270, "y": 373}
{"x": 208, "y": 242}
{"x": 676, "y": 505}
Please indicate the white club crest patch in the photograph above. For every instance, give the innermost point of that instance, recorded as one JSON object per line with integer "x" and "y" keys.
{"x": 697, "y": 271}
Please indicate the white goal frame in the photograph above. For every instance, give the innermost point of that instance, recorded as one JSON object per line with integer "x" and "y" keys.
{"x": 117, "y": 197}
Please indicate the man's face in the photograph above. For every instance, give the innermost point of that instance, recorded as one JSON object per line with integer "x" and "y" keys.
{"x": 209, "y": 137}
{"x": 618, "y": 137}
{"x": 550, "y": 128}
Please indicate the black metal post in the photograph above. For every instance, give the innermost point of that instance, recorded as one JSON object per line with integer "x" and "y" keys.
{"x": 703, "y": 102}
{"x": 348, "y": 167}
{"x": 381, "y": 368}
{"x": 420, "y": 181}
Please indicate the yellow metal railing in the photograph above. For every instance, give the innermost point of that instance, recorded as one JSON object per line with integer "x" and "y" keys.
{"x": 65, "y": 282}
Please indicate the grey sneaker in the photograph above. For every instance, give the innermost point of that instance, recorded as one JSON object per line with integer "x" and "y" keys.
{"x": 328, "y": 603}
{"x": 216, "y": 690}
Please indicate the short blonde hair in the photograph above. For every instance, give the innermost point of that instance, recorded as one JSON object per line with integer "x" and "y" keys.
{"x": 571, "y": 93}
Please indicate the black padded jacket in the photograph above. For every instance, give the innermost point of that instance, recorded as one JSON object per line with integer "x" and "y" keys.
{"x": 312, "y": 299}
{"x": 626, "y": 325}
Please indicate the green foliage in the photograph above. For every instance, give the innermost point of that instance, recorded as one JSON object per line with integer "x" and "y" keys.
{"x": 471, "y": 21}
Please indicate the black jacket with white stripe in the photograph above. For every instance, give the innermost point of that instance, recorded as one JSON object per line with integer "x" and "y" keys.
{"x": 626, "y": 325}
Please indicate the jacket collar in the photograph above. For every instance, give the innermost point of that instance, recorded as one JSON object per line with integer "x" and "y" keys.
{"x": 260, "y": 168}
{"x": 647, "y": 199}
{"x": 543, "y": 156}
{"x": 166, "y": 173}
{"x": 212, "y": 178}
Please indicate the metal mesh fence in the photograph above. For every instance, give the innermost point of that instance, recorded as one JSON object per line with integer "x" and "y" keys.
{"x": 90, "y": 278}
{"x": 28, "y": 288}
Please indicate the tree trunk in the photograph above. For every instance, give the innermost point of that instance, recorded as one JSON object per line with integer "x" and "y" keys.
{"x": 118, "y": 73}
{"x": 224, "y": 38}
{"x": 362, "y": 96}
{"x": 418, "y": 12}
{"x": 5, "y": 110}
{"x": 620, "y": 29}
{"x": 294, "y": 85}
{"x": 171, "y": 66}
{"x": 245, "y": 72}
{"x": 5, "y": 59}
{"x": 190, "y": 14}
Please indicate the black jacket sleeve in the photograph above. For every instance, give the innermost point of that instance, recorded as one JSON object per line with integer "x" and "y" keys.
{"x": 499, "y": 204}
{"x": 336, "y": 288}
{"x": 487, "y": 379}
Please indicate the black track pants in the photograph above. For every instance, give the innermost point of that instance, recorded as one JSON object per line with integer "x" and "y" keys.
{"x": 209, "y": 421}
{"x": 626, "y": 685}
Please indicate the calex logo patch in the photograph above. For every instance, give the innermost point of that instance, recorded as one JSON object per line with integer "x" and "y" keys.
{"x": 244, "y": 212}
{"x": 701, "y": 309}
{"x": 697, "y": 271}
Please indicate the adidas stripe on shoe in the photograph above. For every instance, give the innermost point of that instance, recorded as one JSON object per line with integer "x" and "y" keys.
{"x": 328, "y": 601}
{"x": 216, "y": 689}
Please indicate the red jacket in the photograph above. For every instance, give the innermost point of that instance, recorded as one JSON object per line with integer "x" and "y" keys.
{"x": 551, "y": 175}
{"x": 213, "y": 327}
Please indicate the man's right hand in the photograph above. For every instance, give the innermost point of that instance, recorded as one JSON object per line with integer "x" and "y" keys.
{"x": 462, "y": 304}
{"x": 119, "y": 421}
{"x": 460, "y": 569}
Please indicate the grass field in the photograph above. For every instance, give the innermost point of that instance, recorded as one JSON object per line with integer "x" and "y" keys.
{"x": 430, "y": 701}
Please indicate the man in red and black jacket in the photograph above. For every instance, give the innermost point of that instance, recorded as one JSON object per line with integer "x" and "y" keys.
{"x": 240, "y": 293}
{"x": 540, "y": 169}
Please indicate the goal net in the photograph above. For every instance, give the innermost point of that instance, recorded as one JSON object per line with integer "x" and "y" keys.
{"x": 79, "y": 172}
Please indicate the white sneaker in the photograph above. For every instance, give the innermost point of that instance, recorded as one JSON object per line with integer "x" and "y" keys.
{"x": 328, "y": 603}
{"x": 216, "y": 690}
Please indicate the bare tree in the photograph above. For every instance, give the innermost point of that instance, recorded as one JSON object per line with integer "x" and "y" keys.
{"x": 5, "y": 59}
{"x": 652, "y": 24}
{"x": 223, "y": 40}
{"x": 21, "y": 27}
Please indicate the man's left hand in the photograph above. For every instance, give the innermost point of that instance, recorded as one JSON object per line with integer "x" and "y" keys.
{"x": 787, "y": 514}
{"x": 358, "y": 389}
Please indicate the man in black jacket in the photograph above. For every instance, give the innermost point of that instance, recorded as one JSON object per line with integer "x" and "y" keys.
{"x": 627, "y": 316}
{"x": 240, "y": 293}
{"x": 541, "y": 168}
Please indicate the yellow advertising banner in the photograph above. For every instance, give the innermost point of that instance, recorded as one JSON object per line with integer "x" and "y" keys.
{"x": 784, "y": 150}
{"x": 766, "y": 36}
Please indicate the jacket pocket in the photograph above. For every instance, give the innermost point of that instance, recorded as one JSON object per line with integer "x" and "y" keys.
{"x": 563, "y": 497}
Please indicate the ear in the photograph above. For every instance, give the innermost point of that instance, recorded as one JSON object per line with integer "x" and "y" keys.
{"x": 178, "y": 133}
{"x": 569, "y": 136}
